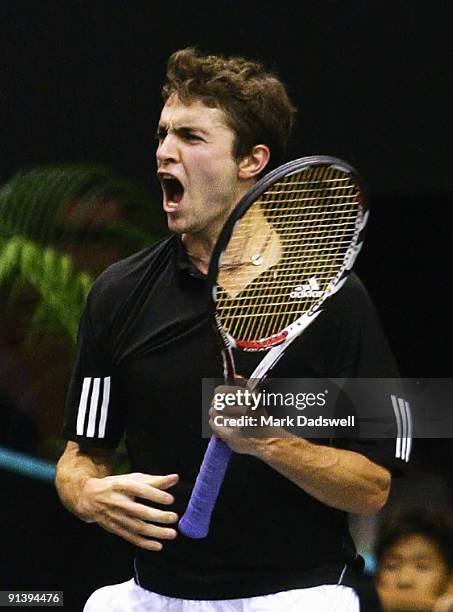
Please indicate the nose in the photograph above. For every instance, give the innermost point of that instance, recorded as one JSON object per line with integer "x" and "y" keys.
{"x": 167, "y": 150}
{"x": 405, "y": 578}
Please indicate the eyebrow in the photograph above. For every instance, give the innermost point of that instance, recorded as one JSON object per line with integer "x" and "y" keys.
{"x": 399, "y": 557}
{"x": 182, "y": 129}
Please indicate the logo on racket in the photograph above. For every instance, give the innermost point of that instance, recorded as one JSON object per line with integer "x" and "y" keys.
{"x": 312, "y": 289}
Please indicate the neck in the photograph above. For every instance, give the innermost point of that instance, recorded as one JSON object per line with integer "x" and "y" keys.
{"x": 199, "y": 250}
{"x": 199, "y": 246}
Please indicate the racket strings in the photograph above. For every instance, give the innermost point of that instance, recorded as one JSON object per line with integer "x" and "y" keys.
{"x": 324, "y": 261}
{"x": 309, "y": 241}
{"x": 291, "y": 273}
{"x": 269, "y": 307}
{"x": 271, "y": 304}
{"x": 261, "y": 326}
{"x": 312, "y": 217}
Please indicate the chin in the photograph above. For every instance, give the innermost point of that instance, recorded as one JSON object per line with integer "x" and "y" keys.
{"x": 181, "y": 226}
{"x": 176, "y": 225}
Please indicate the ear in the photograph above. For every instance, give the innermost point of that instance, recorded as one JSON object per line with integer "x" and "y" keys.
{"x": 254, "y": 163}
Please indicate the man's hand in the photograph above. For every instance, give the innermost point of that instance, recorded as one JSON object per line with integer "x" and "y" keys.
{"x": 87, "y": 488}
{"x": 112, "y": 503}
{"x": 239, "y": 423}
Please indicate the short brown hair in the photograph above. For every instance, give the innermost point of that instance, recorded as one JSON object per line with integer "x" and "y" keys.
{"x": 254, "y": 100}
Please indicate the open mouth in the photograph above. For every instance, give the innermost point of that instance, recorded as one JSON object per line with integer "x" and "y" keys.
{"x": 172, "y": 188}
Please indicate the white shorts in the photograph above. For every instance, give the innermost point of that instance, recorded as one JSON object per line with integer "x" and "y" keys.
{"x": 129, "y": 597}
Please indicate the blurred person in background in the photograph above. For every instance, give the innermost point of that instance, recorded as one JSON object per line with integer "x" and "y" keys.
{"x": 414, "y": 551}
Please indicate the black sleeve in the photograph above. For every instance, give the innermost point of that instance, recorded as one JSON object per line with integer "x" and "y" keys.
{"x": 363, "y": 357}
{"x": 384, "y": 421}
{"x": 93, "y": 412}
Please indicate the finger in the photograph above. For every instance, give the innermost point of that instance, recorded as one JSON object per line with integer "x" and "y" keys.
{"x": 238, "y": 395}
{"x": 229, "y": 411}
{"x": 232, "y": 387}
{"x": 221, "y": 431}
{"x": 226, "y": 390}
{"x": 240, "y": 381}
{"x": 145, "y": 513}
{"x": 142, "y": 528}
{"x": 150, "y": 530}
{"x": 136, "y": 540}
{"x": 164, "y": 482}
{"x": 160, "y": 482}
{"x": 144, "y": 491}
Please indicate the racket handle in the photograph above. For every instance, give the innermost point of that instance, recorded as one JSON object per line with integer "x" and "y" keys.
{"x": 196, "y": 519}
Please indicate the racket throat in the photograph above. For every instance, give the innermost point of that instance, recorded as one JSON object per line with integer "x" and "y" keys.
{"x": 273, "y": 356}
{"x": 229, "y": 370}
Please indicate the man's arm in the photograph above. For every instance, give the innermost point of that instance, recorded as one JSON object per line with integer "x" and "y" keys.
{"x": 339, "y": 478}
{"x": 88, "y": 489}
{"x": 343, "y": 479}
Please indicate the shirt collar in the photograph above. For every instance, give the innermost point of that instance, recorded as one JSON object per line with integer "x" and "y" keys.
{"x": 184, "y": 263}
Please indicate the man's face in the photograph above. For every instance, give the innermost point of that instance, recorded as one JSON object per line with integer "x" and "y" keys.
{"x": 415, "y": 566}
{"x": 196, "y": 168}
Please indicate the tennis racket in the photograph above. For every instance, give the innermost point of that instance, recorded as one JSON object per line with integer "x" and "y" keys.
{"x": 287, "y": 247}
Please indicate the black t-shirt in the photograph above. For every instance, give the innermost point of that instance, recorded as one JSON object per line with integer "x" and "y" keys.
{"x": 145, "y": 343}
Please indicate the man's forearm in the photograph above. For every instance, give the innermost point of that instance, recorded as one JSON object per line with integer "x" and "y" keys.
{"x": 74, "y": 469}
{"x": 339, "y": 478}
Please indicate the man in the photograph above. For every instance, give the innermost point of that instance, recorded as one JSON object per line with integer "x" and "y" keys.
{"x": 279, "y": 535}
{"x": 415, "y": 563}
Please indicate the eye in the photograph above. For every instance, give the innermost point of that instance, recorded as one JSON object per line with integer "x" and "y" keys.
{"x": 190, "y": 136}
{"x": 423, "y": 567}
{"x": 160, "y": 134}
{"x": 389, "y": 566}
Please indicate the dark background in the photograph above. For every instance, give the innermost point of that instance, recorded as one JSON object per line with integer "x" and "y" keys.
{"x": 373, "y": 82}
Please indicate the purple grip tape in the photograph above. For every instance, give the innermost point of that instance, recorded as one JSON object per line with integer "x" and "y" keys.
{"x": 197, "y": 517}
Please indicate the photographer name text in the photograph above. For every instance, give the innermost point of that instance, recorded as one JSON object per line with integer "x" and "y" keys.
{"x": 287, "y": 421}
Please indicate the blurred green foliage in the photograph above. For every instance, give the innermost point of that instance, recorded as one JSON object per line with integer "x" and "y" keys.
{"x": 53, "y": 221}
